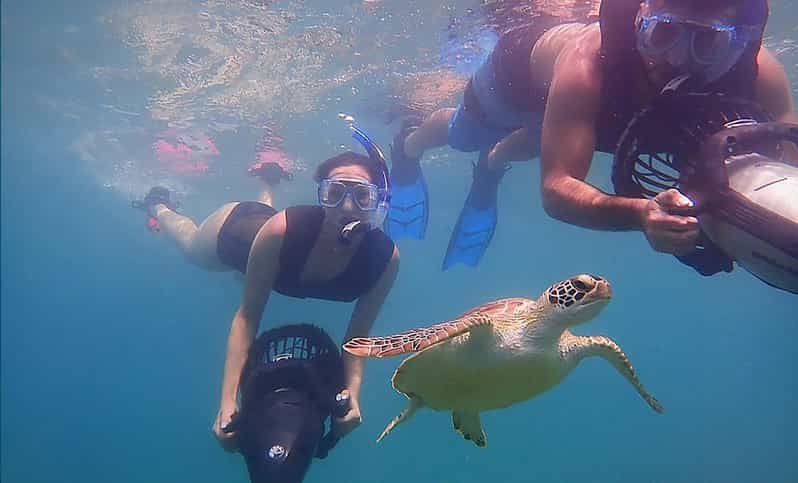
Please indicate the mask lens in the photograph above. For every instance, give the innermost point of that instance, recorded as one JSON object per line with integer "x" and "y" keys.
{"x": 331, "y": 193}
{"x": 663, "y": 35}
{"x": 711, "y": 46}
{"x": 365, "y": 196}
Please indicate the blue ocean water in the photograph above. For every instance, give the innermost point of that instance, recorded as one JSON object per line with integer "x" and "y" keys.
{"x": 112, "y": 345}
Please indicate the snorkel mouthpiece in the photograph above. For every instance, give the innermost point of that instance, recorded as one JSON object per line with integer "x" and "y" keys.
{"x": 674, "y": 85}
{"x": 350, "y": 230}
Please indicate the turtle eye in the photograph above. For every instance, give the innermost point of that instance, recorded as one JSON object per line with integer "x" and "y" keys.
{"x": 580, "y": 285}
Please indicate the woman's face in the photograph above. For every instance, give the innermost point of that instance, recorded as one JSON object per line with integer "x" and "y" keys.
{"x": 348, "y": 211}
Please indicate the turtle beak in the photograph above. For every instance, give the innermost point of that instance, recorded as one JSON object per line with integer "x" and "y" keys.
{"x": 599, "y": 295}
{"x": 596, "y": 288}
{"x": 602, "y": 290}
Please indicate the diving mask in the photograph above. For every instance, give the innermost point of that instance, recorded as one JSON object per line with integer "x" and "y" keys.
{"x": 705, "y": 48}
{"x": 366, "y": 196}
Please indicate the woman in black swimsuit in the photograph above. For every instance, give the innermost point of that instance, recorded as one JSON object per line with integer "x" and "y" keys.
{"x": 332, "y": 251}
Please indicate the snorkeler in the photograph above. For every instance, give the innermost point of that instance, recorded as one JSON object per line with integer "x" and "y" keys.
{"x": 562, "y": 91}
{"x": 333, "y": 251}
{"x": 292, "y": 381}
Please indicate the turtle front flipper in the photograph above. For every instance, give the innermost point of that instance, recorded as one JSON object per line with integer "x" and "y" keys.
{"x": 469, "y": 425}
{"x": 577, "y": 348}
{"x": 413, "y": 340}
{"x": 412, "y": 406}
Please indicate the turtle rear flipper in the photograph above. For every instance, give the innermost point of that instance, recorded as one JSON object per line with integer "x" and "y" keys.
{"x": 469, "y": 425}
{"x": 412, "y": 406}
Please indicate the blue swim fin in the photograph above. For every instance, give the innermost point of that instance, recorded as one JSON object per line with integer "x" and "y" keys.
{"x": 409, "y": 209}
{"x": 477, "y": 222}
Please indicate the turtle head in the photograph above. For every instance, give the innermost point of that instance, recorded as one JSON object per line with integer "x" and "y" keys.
{"x": 577, "y": 299}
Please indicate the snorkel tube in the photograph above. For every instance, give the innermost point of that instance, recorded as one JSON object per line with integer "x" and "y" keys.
{"x": 356, "y": 227}
{"x": 727, "y": 156}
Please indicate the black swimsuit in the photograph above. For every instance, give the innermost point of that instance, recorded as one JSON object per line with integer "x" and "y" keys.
{"x": 303, "y": 225}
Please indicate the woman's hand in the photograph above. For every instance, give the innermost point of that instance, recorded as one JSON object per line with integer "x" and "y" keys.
{"x": 348, "y": 422}
{"x": 223, "y": 418}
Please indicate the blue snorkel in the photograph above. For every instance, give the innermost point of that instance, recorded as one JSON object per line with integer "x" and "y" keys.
{"x": 375, "y": 153}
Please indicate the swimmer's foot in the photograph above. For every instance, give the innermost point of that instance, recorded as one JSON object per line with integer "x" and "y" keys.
{"x": 157, "y": 196}
{"x": 270, "y": 172}
{"x": 477, "y": 222}
{"x": 409, "y": 212}
{"x": 404, "y": 169}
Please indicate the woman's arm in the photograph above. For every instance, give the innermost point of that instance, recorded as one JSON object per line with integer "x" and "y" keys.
{"x": 363, "y": 317}
{"x": 262, "y": 269}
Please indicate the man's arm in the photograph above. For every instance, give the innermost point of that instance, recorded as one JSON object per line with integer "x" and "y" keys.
{"x": 568, "y": 143}
{"x": 567, "y": 146}
{"x": 772, "y": 91}
{"x": 773, "y": 88}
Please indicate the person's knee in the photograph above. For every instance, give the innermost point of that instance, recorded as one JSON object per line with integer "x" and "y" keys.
{"x": 462, "y": 142}
{"x": 463, "y": 133}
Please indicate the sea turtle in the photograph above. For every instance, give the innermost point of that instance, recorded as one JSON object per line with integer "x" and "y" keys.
{"x": 499, "y": 354}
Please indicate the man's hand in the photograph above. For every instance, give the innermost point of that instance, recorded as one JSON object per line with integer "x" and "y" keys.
{"x": 351, "y": 420}
{"x": 669, "y": 233}
{"x": 223, "y": 417}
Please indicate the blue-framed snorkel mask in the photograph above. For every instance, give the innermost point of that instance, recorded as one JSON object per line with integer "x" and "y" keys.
{"x": 704, "y": 49}
{"x": 369, "y": 198}
{"x": 333, "y": 191}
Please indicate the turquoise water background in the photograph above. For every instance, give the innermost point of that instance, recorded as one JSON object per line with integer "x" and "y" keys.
{"x": 112, "y": 345}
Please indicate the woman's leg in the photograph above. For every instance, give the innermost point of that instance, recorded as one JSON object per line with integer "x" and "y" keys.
{"x": 198, "y": 244}
{"x": 266, "y": 196}
{"x": 270, "y": 173}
